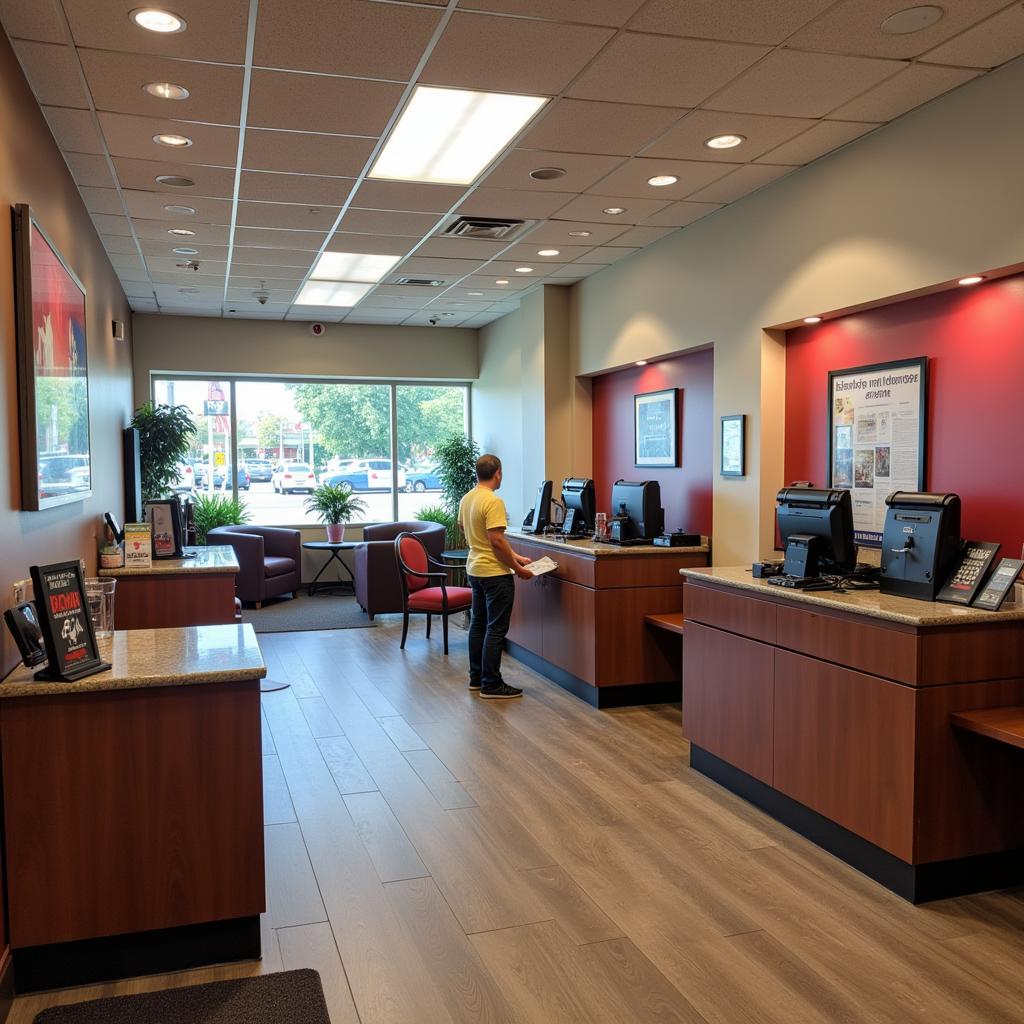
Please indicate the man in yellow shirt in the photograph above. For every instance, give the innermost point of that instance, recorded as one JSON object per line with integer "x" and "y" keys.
{"x": 490, "y": 566}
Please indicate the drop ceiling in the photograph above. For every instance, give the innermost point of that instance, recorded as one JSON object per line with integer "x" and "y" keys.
{"x": 290, "y": 100}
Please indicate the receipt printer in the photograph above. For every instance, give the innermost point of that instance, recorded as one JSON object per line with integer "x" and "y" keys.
{"x": 921, "y": 543}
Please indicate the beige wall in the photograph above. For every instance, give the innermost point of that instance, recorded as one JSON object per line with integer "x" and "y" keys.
{"x": 271, "y": 347}
{"x": 32, "y": 171}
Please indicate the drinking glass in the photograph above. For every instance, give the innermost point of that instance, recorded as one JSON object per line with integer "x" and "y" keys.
{"x": 99, "y": 593}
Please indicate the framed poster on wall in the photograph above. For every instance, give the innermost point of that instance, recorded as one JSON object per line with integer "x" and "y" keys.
{"x": 734, "y": 459}
{"x": 655, "y": 429}
{"x": 877, "y": 427}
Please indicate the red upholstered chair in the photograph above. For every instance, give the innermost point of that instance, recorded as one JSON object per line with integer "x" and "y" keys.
{"x": 425, "y": 592}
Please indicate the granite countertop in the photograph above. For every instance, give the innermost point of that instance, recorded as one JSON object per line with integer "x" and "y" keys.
{"x": 216, "y": 558}
{"x": 184, "y": 656}
{"x": 862, "y": 602}
{"x": 585, "y": 546}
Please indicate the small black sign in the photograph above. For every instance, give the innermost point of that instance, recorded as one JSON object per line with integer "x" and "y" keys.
{"x": 66, "y": 624}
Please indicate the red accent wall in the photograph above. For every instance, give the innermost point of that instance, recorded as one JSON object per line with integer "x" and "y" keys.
{"x": 685, "y": 490}
{"x": 974, "y": 340}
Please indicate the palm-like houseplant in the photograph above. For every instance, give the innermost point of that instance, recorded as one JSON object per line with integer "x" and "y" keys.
{"x": 335, "y": 505}
{"x": 211, "y": 510}
{"x": 166, "y": 433}
{"x": 456, "y": 466}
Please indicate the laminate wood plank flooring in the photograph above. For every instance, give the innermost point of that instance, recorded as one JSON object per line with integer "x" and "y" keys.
{"x": 445, "y": 860}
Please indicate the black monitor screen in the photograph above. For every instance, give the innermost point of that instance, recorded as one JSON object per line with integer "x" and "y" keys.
{"x": 827, "y": 516}
{"x": 579, "y": 495}
{"x": 642, "y": 502}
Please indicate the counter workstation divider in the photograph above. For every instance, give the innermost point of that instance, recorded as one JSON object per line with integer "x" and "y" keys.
{"x": 583, "y": 626}
{"x": 838, "y": 715}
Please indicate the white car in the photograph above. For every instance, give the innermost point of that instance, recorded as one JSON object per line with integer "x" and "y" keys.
{"x": 186, "y": 478}
{"x": 289, "y": 477}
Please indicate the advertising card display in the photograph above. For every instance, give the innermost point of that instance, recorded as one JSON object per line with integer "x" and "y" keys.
{"x": 65, "y": 622}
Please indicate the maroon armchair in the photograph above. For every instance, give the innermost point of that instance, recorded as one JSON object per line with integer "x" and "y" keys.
{"x": 425, "y": 589}
{"x": 270, "y": 560}
{"x": 378, "y": 584}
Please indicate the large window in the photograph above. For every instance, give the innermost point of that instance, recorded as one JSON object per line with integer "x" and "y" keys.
{"x": 288, "y": 436}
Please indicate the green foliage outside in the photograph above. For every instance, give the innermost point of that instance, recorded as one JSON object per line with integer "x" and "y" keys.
{"x": 61, "y": 402}
{"x": 166, "y": 434}
{"x": 335, "y": 504}
{"x": 212, "y": 510}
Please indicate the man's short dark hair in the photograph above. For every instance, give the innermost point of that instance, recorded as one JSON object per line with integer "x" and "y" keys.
{"x": 486, "y": 467}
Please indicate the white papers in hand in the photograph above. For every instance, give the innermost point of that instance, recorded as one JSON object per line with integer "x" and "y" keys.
{"x": 541, "y": 566}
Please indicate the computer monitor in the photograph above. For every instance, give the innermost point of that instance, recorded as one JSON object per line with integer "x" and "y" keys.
{"x": 580, "y": 501}
{"x": 540, "y": 515}
{"x": 641, "y": 500}
{"x": 816, "y": 525}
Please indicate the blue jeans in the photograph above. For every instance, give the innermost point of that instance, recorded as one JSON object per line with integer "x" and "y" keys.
{"x": 492, "y": 609}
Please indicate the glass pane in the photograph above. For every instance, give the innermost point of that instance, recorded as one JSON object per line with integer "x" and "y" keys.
{"x": 294, "y": 436}
{"x": 427, "y": 415}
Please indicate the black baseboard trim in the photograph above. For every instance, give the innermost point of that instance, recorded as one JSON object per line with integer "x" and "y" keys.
{"x": 6, "y": 983}
{"x": 917, "y": 883}
{"x": 125, "y": 956}
{"x": 598, "y": 696}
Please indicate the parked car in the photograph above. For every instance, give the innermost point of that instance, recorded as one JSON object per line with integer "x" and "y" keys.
{"x": 201, "y": 471}
{"x": 63, "y": 474}
{"x": 420, "y": 480}
{"x": 367, "y": 475}
{"x": 289, "y": 477}
{"x": 186, "y": 478}
{"x": 260, "y": 470}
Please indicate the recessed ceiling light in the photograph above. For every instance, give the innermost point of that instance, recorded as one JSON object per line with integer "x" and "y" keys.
{"x": 501, "y": 280}
{"x": 154, "y": 20}
{"x": 548, "y": 252}
{"x": 973, "y": 279}
{"x": 614, "y": 211}
{"x": 812, "y": 319}
{"x": 725, "y": 141}
{"x": 641, "y": 362}
{"x": 448, "y": 136}
{"x": 183, "y": 210}
{"x": 474, "y": 295}
{"x": 174, "y": 181}
{"x": 175, "y": 141}
{"x": 547, "y": 173}
{"x": 524, "y": 270}
{"x": 185, "y": 251}
{"x": 331, "y": 293}
{"x": 166, "y": 90}
{"x": 580, "y": 234}
{"x": 182, "y": 232}
{"x": 348, "y": 266}
{"x": 912, "y": 19}
{"x": 661, "y": 180}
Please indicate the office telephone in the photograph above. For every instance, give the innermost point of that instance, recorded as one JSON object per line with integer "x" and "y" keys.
{"x": 999, "y": 585}
{"x": 970, "y": 572}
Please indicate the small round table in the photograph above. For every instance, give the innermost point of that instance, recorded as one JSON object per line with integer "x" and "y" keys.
{"x": 335, "y": 550}
{"x": 456, "y": 558}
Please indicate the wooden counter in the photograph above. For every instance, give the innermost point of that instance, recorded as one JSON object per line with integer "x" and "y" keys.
{"x": 583, "y": 625}
{"x": 132, "y": 809}
{"x": 833, "y": 713}
{"x": 196, "y": 591}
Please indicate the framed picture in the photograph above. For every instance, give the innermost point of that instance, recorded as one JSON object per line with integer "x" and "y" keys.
{"x": 877, "y": 429}
{"x": 734, "y": 451}
{"x": 656, "y": 431}
{"x": 53, "y": 371}
{"x": 165, "y": 517}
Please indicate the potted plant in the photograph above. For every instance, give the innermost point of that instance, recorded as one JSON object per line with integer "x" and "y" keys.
{"x": 335, "y": 505}
{"x": 439, "y": 514}
{"x": 456, "y": 466}
{"x": 166, "y": 434}
{"x": 211, "y": 510}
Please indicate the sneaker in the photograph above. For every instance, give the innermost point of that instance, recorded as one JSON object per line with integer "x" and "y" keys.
{"x": 474, "y": 686}
{"x": 501, "y": 692}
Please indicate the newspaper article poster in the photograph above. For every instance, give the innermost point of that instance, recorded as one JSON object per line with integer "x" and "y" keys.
{"x": 877, "y": 437}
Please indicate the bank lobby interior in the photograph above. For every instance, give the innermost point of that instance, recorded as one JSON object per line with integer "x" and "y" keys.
{"x": 720, "y": 800}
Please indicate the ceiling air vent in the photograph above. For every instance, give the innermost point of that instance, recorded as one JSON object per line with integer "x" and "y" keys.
{"x": 420, "y": 282}
{"x": 484, "y": 227}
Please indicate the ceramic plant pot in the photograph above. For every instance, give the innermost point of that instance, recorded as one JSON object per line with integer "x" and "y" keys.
{"x": 335, "y": 533}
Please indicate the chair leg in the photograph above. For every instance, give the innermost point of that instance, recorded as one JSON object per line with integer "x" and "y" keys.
{"x": 429, "y": 617}
{"x": 405, "y": 630}
{"x": 444, "y": 621}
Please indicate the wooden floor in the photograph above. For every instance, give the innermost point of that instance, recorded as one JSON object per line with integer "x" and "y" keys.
{"x": 439, "y": 858}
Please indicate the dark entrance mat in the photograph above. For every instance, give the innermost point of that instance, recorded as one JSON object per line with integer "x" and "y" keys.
{"x": 296, "y": 614}
{"x": 290, "y": 997}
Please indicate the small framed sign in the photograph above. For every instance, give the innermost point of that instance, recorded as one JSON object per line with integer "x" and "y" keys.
{"x": 656, "y": 429}
{"x": 734, "y": 453}
{"x": 65, "y": 623}
{"x": 165, "y": 517}
{"x": 138, "y": 545}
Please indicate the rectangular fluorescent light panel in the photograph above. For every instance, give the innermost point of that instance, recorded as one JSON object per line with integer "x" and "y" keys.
{"x": 350, "y": 266}
{"x": 331, "y": 293}
{"x": 448, "y": 136}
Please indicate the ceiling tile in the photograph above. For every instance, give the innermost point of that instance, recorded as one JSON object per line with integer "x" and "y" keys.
{"x": 243, "y": 256}
{"x": 456, "y": 304}
{"x": 73, "y": 129}
{"x": 287, "y": 215}
{"x": 161, "y": 247}
{"x": 558, "y": 231}
{"x": 631, "y": 179}
{"x": 137, "y": 290}
{"x": 678, "y": 215}
{"x": 741, "y": 182}
{"x": 507, "y": 268}
{"x": 375, "y": 301}
{"x": 268, "y": 280}
{"x": 213, "y": 182}
{"x": 274, "y": 238}
{"x": 738, "y": 21}
{"x": 378, "y": 245}
{"x": 638, "y": 68}
{"x": 316, "y": 103}
{"x": 380, "y": 40}
{"x": 686, "y": 140}
{"x": 795, "y": 84}
{"x": 102, "y": 200}
{"x": 216, "y": 31}
{"x": 306, "y": 189}
{"x": 822, "y": 138}
{"x": 174, "y": 265}
{"x": 514, "y": 203}
{"x": 585, "y": 126}
{"x": 479, "y": 51}
{"x": 405, "y": 195}
{"x": 89, "y": 169}
{"x": 119, "y": 244}
{"x": 576, "y": 271}
{"x": 993, "y": 42}
{"x": 371, "y": 316}
{"x": 489, "y": 295}
{"x": 526, "y": 252}
{"x": 53, "y": 73}
{"x": 130, "y": 267}
{"x": 592, "y": 207}
{"x": 438, "y": 266}
{"x": 284, "y": 294}
{"x": 31, "y": 21}
{"x": 215, "y": 234}
{"x": 132, "y": 136}
{"x": 116, "y": 82}
{"x": 381, "y": 222}
{"x": 423, "y": 319}
{"x": 152, "y": 205}
{"x": 582, "y": 170}
{"x": 405, "y": 291}
{"x": 909, "y": 89}
{"x": 461, "y": 248}
{"x": 483, "y": 280}
{"x": 854, "y": 26}
{"x": 111, "y": 224}
{"x": 642, "y": 236}
{"x": 306, "y": 153}
{"x": 589, "y": 12}
{"x": 208, "y": 284}
{"x": 608, "y": 254}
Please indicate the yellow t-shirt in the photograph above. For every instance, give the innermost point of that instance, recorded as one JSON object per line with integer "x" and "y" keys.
{"x": 479, "y": 511}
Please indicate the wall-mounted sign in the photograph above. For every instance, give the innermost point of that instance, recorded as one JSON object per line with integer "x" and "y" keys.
{"x": 876, "y": 424}
{"x": 65, "y": 622}
{"x": 733, "y": 446}
{"x": 214, "y": 407}
{"x": 656, "y": 429}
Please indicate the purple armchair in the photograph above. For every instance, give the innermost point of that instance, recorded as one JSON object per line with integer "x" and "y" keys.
{"x": 270, "y": 560}
{"x": 378, "y": 583}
